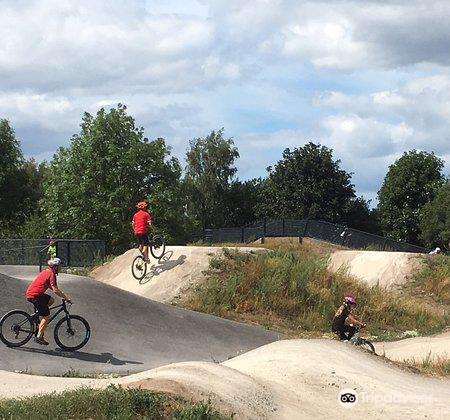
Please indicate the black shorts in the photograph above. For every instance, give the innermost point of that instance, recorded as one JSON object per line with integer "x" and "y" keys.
{"x": 41, "y": 304}
{"x": 142, "y": 239}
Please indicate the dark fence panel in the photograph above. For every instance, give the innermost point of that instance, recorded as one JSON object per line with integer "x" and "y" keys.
{"x": 316, "y": 229}
{"x": 73, "y": 252}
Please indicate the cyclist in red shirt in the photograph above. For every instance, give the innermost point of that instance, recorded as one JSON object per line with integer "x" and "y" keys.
{"x": 140, "y": 221}
{"x": 37, "y": 296}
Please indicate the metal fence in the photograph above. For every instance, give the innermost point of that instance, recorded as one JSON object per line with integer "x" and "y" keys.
{"x": 73, "y": 252}
{"x": 315, "y": 229}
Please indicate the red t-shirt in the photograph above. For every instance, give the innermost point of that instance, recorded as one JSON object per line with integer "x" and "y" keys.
{"x": 41, "y": 283}
{"x": 140, "y": 219}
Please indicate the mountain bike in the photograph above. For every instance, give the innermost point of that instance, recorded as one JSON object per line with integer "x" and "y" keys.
{"x": 71, "y": 332}
{"x": 357, "y": 340}
{"x": 157, "y": 247}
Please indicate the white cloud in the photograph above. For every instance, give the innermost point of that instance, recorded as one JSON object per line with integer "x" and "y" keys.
{"x": 369, "y": 79}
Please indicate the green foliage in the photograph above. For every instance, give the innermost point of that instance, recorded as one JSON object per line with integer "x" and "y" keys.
{"x": 112, "y": 403}
{"x": 435, "y": 223}
{"x": 210, "y": 168}
{"x": 434, "y": 278}
{"x": 202, "y": 411}
{"x": 94, "y": 184}
{"x": 295, "y": 291}
{"x": 411, "y": 182}
{"x": 20, "y": 183}
{"x": 307, "y": 183}
{"x": 241, "y": 199}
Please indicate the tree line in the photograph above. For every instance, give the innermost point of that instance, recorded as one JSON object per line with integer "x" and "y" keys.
{"x": 89, "y": 189}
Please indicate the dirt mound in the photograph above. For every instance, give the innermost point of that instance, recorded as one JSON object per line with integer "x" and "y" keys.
{"x": 386, "y": 269}
{"x": 180, "y": 269}
{"x": 417, "y": 349}
{"x": 285, "y": 380}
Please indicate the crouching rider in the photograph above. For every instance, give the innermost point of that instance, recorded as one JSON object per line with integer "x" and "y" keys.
{"x": 344, "y": 323}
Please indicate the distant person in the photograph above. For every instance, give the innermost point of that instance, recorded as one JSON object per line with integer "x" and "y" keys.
{"x": 141, "y": 220}
{"x": 51, "y": 251}
{"x": 343, "y": 318}
{"x": 47, "y": 279}
{"x": 435, "y": 251}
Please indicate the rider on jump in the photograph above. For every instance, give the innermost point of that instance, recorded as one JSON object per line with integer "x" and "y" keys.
{"x": 140, "y": 221}
{"x": 41, "y": 301}
{"x": 344, "y": 323}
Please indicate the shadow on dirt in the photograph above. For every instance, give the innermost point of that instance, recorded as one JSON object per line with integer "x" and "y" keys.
{"x": 81, "y": 355}
{"x": 164, "y": 264}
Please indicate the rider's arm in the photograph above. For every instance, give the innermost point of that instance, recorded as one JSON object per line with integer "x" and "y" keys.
{"x": 60, "y": 293}
{"x": 152, "y": 227}
{"x": 352, "y": 320}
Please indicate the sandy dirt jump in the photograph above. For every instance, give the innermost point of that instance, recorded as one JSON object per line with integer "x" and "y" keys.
{"x": 129, "y": 333}
{"x": 387, "y": 269}
{"x": 417, "y": 349}
{"x": 180, "y": 269}
{"x": 285, "y": 380}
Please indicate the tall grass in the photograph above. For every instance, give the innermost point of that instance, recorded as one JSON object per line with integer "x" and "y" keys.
{"x": 296, "y": 292}
{"x": 439, "y": 365}
{"x": 434, "y": 278}
{"x": 112, "y": 403}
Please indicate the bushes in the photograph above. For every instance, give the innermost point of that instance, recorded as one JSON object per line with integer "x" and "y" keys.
{"x": 297, "y": 292}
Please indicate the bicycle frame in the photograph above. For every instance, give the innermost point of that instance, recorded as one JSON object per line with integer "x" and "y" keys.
{"x": 62, "y": 308}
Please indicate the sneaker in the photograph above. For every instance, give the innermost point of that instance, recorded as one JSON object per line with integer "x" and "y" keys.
{"x": 41, "y": 341}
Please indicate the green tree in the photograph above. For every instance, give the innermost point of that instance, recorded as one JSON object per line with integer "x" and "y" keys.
{"x": 11, "y": 175}
{"x": 411, "y": 182}
{"x": 20, "y": 183}
{"x": 209, "y": 171}
{"x": 308, "y": 183}
{"x": 435, "y": 223}
{"x": 242, "y": 198}
{"x": 94, "y": 184}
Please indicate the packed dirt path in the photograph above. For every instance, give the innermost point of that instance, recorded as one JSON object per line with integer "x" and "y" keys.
{"x": 129, "y": 333}
{"x": 285, "y": 380}
{"x": 180, "y": 269}
{"x": 417, "y": 349}
{"x": 387, "y": 269}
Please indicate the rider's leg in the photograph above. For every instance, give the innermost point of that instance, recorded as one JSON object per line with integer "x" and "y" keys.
{"x": 44, "y": 321}
{"x": 350, "y": 330}
{"x": 42, "y": 326}
{"x": 145, "y": 252}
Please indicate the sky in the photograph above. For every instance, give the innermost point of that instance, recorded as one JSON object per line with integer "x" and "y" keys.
{"x": 369, "y": 79}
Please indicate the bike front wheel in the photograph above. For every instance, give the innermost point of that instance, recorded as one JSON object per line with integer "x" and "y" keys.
{"x": 139, "y": 267}
{"x": 367, "y": 345}
{"x": 72, "y": 332}
{"x": 158, "y": 246}
{"x": 16, "y": 328}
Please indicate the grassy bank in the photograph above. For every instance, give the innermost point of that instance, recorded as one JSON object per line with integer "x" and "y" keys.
{"x": 294, "y": 293}
{"x": 434, "y": 279}
{"x": 439, "y": 366}
{"x": 112, "y": 403}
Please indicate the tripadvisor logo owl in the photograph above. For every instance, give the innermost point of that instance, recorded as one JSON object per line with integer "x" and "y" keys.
{"x": 348, "y": 398}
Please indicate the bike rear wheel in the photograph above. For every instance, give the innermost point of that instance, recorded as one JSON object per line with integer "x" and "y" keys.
{"x": 158, "y": 246}
{"x": 139, "y": 267}
{"x": 367, "y": 345}
{"x": 16, "y": 328}
{"x": 72, "y": 332}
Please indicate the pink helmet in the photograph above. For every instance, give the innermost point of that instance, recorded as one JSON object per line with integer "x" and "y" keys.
{"x": 350, "y": 300}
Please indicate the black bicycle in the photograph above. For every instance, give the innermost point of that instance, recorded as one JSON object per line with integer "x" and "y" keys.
{"x": 157, "y": 247}
{"x": 71, "y": 332}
